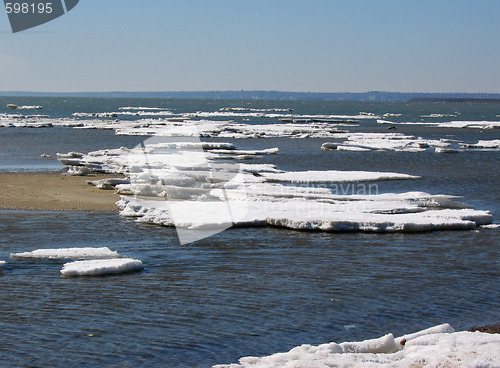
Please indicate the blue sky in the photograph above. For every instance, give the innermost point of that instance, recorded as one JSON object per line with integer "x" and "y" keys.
{"x": 287, "y": 45}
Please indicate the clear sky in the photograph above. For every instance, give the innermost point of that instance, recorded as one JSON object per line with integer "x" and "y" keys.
{"x": 287, "y": 45}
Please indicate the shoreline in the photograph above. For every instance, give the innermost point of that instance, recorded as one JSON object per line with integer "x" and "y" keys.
{"x": 54, "y": 191}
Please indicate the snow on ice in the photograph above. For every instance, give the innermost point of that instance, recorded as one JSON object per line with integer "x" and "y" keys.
{"x": 61, "y": 253}
{"x": 102, "y": 267}
{"x": 439, "y": 346}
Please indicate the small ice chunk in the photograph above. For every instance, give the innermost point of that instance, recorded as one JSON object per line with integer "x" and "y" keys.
{"x": 329, "y": 146}
{"x": 2, "y": 263}
{"x": 62, "y": 253}
{"x": 102, "y": 267}
{"x": 491, "y": 226}
{"x": 446, "y": 150}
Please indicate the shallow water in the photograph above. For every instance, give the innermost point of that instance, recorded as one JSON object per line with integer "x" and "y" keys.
{"x": 245, "y": 291}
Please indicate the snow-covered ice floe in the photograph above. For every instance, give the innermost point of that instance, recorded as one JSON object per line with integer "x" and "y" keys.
{"x": 385, "y": 142}
{"x": 459, "y": 124}
{"x": 470, "y": 124}
{"x": 439, "y": 346}
{"x": 64, "y": 253}
{"x": 2, "y": 263}
{"x": 102, "y": 267}
{"x": 377, "y": 213}
{"x": 487, "y": 144}
{"x": 491, "y": 226}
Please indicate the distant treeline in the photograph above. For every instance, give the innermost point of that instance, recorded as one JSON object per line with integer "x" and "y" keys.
{"x": 375, "y": 96}
{"x": 469, "y": 100}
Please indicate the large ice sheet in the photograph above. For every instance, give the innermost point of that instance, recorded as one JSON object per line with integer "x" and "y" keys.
{"x": 102, "y": 267}
{"x": 333, "y": 176}
{"x": 62, "y": 253}
{"x": 470, "y": 124}
{"x": 436, "y": 347}
{"x": 397, "y": 213}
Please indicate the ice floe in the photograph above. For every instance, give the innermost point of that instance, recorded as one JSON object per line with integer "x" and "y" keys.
{"x": 63, "y": 253}
{"x": 491, "y": 226}
{"x": 488, "y": 144}
{"x": 450, "y": 124}
{"x": 226, "y": 129}
{"x": 115, "y": 114}
{"x": 384, "y": 142}
{"x": 470, "y": 124}
{"x": 2, "y": 263}
{"x": 433, "y": 347}
{"x": 102, "y": 267}
{"x": 332, "y": 176}
{"x": 141, "y": 108}
{"x": 347, "y": 214}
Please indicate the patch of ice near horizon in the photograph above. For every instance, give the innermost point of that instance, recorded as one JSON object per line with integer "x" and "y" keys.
{"x": 459, "y": 124}
{"x": 470, "y": 124}
{"x": 102, "y": 267}
{"x": 434, "y": 347}
{"x": 142, "y": 108}
{"x": 62, "y": 253}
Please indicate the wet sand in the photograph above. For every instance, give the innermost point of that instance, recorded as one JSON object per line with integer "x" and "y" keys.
{"x": 54, "y": 192}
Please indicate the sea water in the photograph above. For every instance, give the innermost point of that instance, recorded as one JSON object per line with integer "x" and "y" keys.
{"x": 245, "y": 291}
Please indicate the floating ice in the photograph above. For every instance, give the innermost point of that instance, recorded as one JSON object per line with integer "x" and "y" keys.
{"x": 333, "y": 176}
{"x": 434, "y": 347}
{"x": 115, "y": 114}
{"x": 254, "y": 110}
{"x": 141, "y": 108}
{"x": 446, "y": 150}
{"x": 470, "y": 124}
{"x": 2, "y": 263}
{"x": 491, "y": 226}
{"x": 451, "y": 124}
{"x": 61, "y": 253}
{"x": 384, "y": 142}
{"x": 101, "y": 267}
{"x": 407, "y": 212}
{"x": 491, "y": 144}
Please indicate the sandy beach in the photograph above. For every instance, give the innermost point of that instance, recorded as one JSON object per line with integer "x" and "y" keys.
{"x": 52, "y": 191}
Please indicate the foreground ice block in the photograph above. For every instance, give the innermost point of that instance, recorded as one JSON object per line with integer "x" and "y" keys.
{"x": 62, "y": 253}
{"x": 102, "y": 267}
{"x": 438, "y": 346}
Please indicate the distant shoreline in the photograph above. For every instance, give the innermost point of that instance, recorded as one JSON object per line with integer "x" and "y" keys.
{"x": 456, "y": 100}
{"x": 372, "y": 96}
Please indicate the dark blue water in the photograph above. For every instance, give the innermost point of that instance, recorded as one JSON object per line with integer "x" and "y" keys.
{"x": 245, "y": 291}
